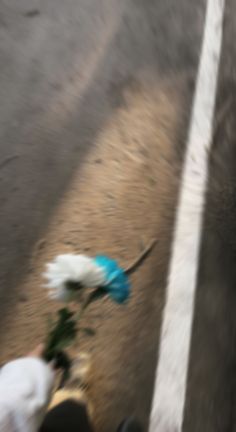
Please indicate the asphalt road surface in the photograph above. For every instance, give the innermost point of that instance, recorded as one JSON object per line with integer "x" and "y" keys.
{"x": 117, "y": 79}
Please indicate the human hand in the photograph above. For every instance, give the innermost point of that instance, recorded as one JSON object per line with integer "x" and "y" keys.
{"x": 37, "y": 352}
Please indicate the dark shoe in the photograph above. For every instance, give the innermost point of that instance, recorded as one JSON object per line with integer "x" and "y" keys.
{"x": 130, "y": 425}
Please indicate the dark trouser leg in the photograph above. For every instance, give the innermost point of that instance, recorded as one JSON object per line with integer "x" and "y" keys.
{"x": 69, "y": 416}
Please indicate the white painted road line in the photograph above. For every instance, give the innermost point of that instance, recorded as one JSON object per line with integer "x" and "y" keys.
{"x": 171, "y": 377}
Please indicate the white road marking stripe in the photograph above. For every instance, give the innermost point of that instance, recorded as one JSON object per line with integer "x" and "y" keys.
{"x": 171, "y": 377}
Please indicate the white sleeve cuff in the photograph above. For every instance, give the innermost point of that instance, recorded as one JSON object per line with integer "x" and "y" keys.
{"x": 25, "y": 388}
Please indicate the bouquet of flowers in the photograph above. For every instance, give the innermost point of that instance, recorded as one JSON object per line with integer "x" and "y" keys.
{"x": 84, "y": 279}
{"x": 79, "y": 278}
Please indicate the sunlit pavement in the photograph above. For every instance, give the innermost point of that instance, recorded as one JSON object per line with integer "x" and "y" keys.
{"x": 96, "y": 99}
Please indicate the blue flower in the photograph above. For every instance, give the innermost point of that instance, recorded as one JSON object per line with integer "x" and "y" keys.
{"x": 117, "y": 283}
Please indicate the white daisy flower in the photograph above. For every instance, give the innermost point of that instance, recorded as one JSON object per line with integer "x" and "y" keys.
{"x": 68, "y": 269}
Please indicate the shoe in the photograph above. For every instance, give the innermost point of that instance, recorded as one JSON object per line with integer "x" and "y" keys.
{"x": 130, "y": 425}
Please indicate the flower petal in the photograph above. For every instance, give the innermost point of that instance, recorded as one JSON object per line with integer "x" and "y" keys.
{"x": 117, "y": 283}
{"x": 72, "y": 268}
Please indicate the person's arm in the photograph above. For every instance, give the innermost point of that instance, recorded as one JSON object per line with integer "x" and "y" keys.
{"x": 25, "y": 389}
